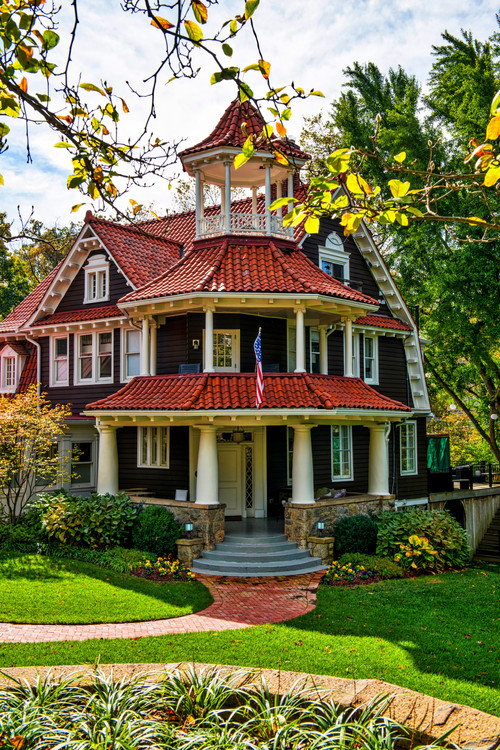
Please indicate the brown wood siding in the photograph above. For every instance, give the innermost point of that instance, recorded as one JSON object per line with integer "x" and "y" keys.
{"x": 322, "y": 459}
{"x": 407, "y": 487}
{"x": 336, "y": 353}
{"x": 162, "y": 482}
{"x": 393, "y": 379}
{"x": 172, "y": 345}
{"x": 78, "y": 395}
{"x": 73, "y": 299}
{"x": 276, "y": 461}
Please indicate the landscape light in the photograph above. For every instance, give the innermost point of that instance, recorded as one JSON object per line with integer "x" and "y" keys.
{"x": 188, "y": 527}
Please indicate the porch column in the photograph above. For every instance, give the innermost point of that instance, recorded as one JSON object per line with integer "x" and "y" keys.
{"x": 268, "y": 199}
{"x": 199, "y": 202}
{"x": 209, "y": 339}
{"x": 348, "y": 347}
{"x": 323, "y": 350}
{"x": 279, "y": 194}
{"x": 302, "y": 465}
{"x": 227, "y": 197}
{"x": 255, "y": 221}
{"x": 107, "y": 475}
{"x": 207, "y": 479}
{"x": 300, "y": 343}
{"x": 152, "y": 347}
{"x": 290, "y": 190}
{"x": 145, "y": 347}
{"x": 378, "y": 461}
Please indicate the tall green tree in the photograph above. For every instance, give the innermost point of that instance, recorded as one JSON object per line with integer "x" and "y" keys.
{"x": 14, "y": 284}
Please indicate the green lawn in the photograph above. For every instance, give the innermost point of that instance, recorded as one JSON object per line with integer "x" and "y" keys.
{"x": 436, "y": 634}
{"x": 38, "y": 589}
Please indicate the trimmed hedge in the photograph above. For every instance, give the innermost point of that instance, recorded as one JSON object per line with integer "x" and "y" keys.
{"x": 156, "y": 531}
{"x": 355, "y": 534}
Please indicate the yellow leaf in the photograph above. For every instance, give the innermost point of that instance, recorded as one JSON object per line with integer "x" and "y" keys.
{"x": 267, "y": 131}
{"x": 162, "y": 23}
{"x": 280, "y": 158}
{"x": 400, "y": 157}
{"x": 23, "y": 85}
{"x": 493, "y": 129}
{"x": 280, "y": 129}
{"x": 495, "y": 103}
{"x": 356, "y": 184}
{"x": 265, "y": 68}
{"x": 76, "y": 207}
{"x": 474, "y": 220}
{"x": 239, "y": 160}
{"x": 402, "y": 219}
{"x": 1, "y": 180}
{"x": 315, "y": 93}
{"x": 312, "y": 225}
{"x": 200, "y": 11}
{"x": 492, "y": 176}
{"x": 193, "y": 30}
{"x": 398, "y": 188}
{"x": 124, "y": 105}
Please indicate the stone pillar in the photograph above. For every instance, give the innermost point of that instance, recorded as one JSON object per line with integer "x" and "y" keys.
{"x": 107, "y": 475}
{"x": 153, "y": 348}
{"x": 300, "y": 342}
{"x": 207, "y": 476}
{"x": 209, "y": 340}
{"x": 268, "y": 199}
{"x": 378, "y": 461}
{"x": 348, "y": 347}
{"x": 323, "y": 350}
{"x": 145, "y": 346}
{"x": 302, "y": 467}
{"x": 227, "y": 197}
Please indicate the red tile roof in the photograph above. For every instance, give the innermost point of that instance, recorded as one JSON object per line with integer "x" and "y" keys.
{"x": 25, "y": 309}
{"x": 245, "y": 267}
{"x": 29, "y": 373}
{"x": 229, "y": 132}
{"x": 87, "y": 314}
{"x": 381, "y": 321}
{"x": 141, "y": 257}
{"x": 237, "y": 391}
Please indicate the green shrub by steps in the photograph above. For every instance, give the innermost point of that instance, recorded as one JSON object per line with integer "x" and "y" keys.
{"x": 355, "y": 534}
{"x": 381, "y": 566}
{"x": 95, "y": 521}
{"x": 28, "y": 530}
{"x": 156, "y": 531}
{"x": 443, "y": 532}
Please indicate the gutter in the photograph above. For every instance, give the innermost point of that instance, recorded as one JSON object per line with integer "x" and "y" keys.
{"x": 38, "y": 363}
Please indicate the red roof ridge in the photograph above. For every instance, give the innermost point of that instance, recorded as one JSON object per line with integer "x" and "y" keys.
{"x": 131, "y": 228}
{"x": 215, "y": 267}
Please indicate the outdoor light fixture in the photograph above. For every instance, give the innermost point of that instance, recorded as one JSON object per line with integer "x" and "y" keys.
{"x": 321, "y": 528}
{"x": 196, "y": 343}
{"x": 188, "y": 527}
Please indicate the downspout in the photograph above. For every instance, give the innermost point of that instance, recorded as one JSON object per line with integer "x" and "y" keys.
{"x": 38, "y": 363}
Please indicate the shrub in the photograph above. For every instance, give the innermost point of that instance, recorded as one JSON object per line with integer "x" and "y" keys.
{"x": 156, "y": 531}
{"x": 95, "y": 521}
{"x": 443, "y": 533}
{"x": 417, "y": 554}
{"x": 355, "y": 534}
{"x": 28, "y": 531}
{"x": 118, "y": 559}
{"x": 381, "y": 566}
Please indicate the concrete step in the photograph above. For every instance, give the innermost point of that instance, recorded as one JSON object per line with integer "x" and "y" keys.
{"x": 248, "y": 547}
{"x": 256, "y": 570}
{"x": 258, "y": 539}
{"x": 290, "y": 555}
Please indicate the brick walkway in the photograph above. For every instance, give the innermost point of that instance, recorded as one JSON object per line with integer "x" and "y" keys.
{"x": 238, "y": 603}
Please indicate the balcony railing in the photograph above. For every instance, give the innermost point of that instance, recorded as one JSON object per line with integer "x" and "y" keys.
{"x": 208, "y": 226}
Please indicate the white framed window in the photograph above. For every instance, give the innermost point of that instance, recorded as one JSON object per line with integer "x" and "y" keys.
{"x": 153, "y": 447}
{"x": 370, "y": 359}
{"x": 97, "y": 279}
{"x": 94, "y": 357}
{"x": 408, "y": 448}
{"x": 82, "y": 463}
{"x": 290, "y": 432}
{"x": 59, "y": 369}
{"x": 131, "y": 353}
{"x": 341, "y": 436}
{"x": 333, "y": 259}
{"x": 291, "y": 346}
{"x": 11, "y": 365}
{"x": 226, "y": 350}
{"x": 9, "y": 372}
{"x": 314, "y": 356}
{"x": 355, "y": 355}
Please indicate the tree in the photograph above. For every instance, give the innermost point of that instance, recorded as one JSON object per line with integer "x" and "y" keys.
{"x": 42, "y": 248}
{"x": 442, "y": 260}
{"x": 29, "y": 428}
{"x": 14, "y": 285}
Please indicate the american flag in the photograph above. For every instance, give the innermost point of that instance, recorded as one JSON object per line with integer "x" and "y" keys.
{"x": 260, "y": 378}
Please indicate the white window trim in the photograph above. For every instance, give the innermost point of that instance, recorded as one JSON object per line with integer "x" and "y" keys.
{"x": 413, "y": 472}
{"x": 8, "y": 353}
{"x": 235, "y": 333}
{"x": 94, "y": 265}
{"x": 375, "y": 378}
{"x": 92, "y": 481}
{"x": 355, "y": 354}
{"x": 95, "y": 338}
{"x": 148, "y": 464}
{"x": 334, "y": 252}
{"x": 336, "y": 478}
{"x": 52, "y": 374}
{"x": 311, "y": 329}
{"x": 124, "y": 378}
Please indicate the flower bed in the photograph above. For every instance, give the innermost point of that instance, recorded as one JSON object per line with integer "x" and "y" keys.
{"x": 347, "y": 574}
{"x": 163, "y": 569}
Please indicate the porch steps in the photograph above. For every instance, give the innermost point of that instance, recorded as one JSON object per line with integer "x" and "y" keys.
{"x": 489, "y": 547}
{"x": 255, "y": 556}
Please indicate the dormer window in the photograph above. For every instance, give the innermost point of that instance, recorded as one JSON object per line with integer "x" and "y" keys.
{"x": 97, "y": 279}
{"x": 12, "y": 360}
{"x": 333, "y": 259}
{"x": 9, "y": 373}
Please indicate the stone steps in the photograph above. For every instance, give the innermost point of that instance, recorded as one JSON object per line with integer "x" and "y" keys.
{"x": 256, "y": 555}
{"x": 489, "y": 547}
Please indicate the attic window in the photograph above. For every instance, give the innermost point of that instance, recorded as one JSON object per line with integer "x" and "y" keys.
{"x": 97, "y": 279}
{"x": 333, "y": 259}
{"x": 11, "y": 365}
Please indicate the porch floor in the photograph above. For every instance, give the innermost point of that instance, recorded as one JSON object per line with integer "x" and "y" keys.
{"x": 255, "y": 527}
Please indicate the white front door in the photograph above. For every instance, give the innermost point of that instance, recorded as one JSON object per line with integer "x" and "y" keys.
{"x": 230, "y": 478}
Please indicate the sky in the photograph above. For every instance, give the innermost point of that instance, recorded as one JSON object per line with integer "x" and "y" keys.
{"x": 309, "y": 42}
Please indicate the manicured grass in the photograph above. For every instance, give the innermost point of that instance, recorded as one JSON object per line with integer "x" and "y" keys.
{"x": 38, "y": 589}
{"x": 437, "y": 634}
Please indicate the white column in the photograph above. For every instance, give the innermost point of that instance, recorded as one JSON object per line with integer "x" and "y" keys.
{"x": 323, "y": 350}
{"x": 279, "y": 194}
{"x": 268, "y": 199}
{"x": 209, "y": 340}
{"x": 378, "y": 461}
{"x": 153, "y": 347}
{"x": 199, "y": 201}
{"x": 207, "y": 475}
{"x": 348, "y": 348}
{"x": 107, "y": 475}
{"x": 227, "y": 197}
{"x": 145, "y": 342}
{"x": 254, "y": 209}
{"x": 290, "y": 190}
{"x": 302, "y": 466}
{"x": 300, "y": 343}
{"x": 222, "y": 210}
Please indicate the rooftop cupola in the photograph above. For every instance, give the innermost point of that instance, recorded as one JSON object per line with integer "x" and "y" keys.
{"x": 212, "y": 162}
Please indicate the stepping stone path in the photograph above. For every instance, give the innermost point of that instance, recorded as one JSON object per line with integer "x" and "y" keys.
{"x": 238, "y": 603}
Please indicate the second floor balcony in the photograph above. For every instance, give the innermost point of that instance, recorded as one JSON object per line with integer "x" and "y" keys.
{"x": 243, "y": 223}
